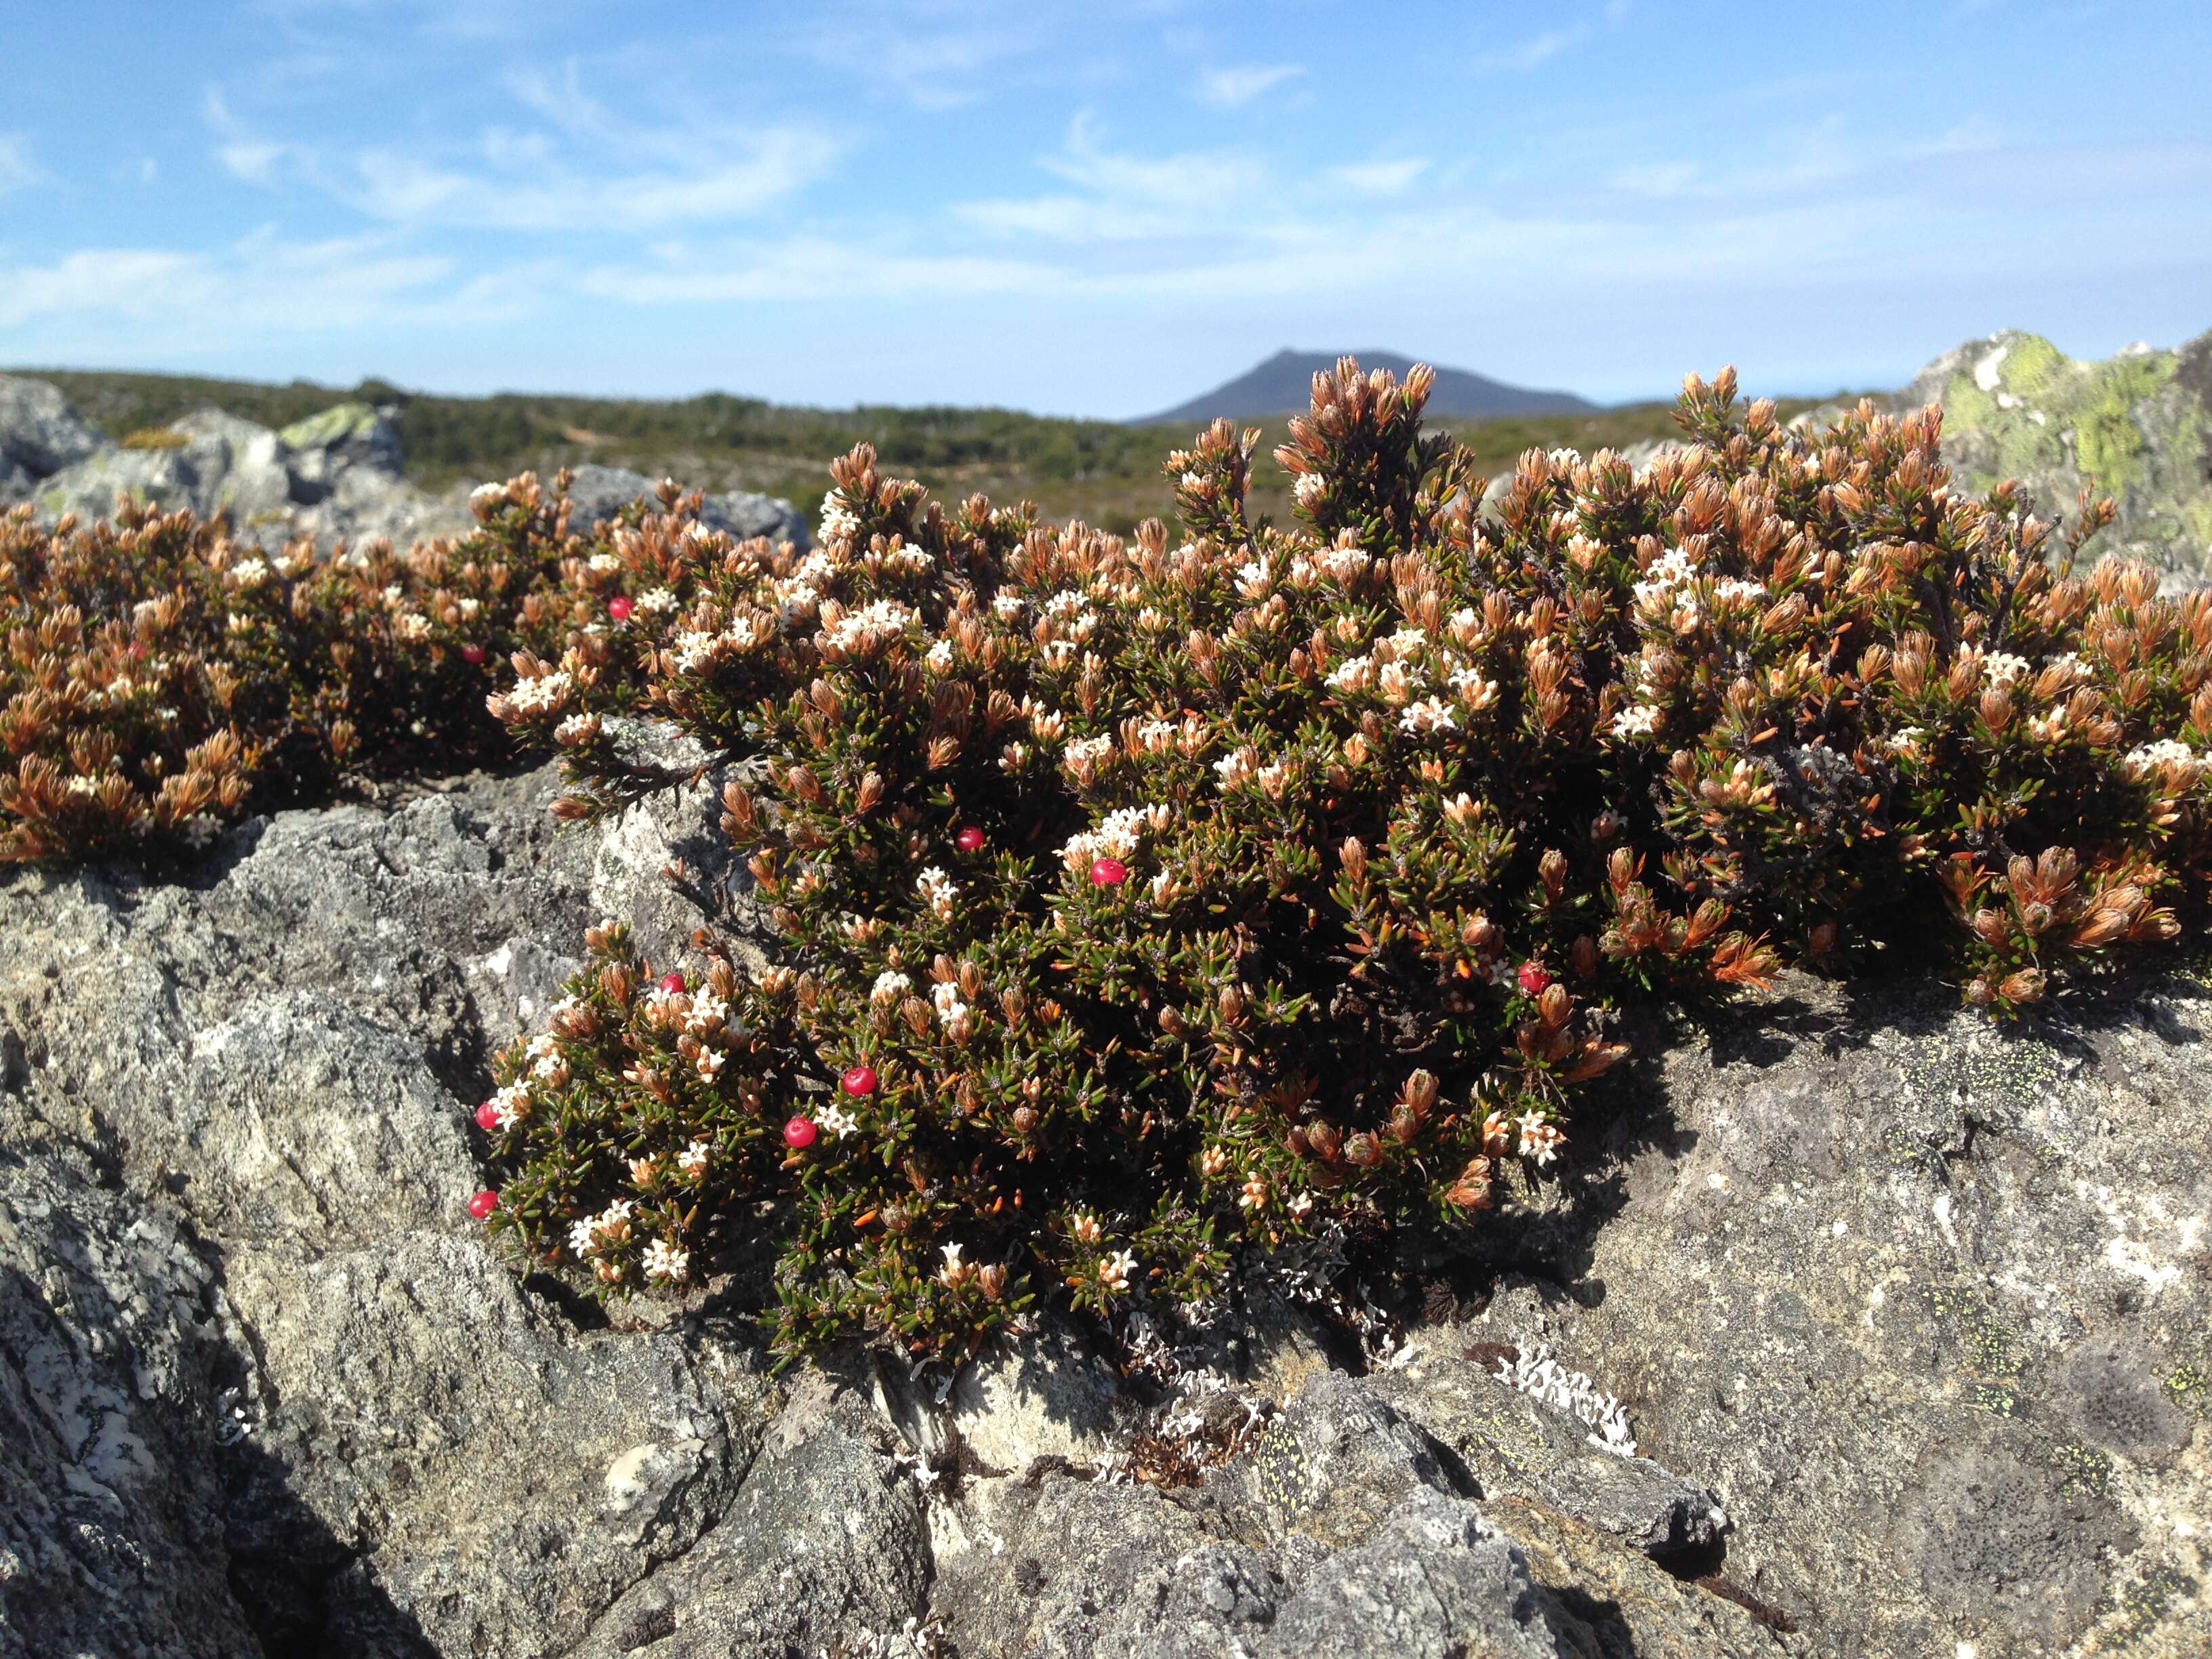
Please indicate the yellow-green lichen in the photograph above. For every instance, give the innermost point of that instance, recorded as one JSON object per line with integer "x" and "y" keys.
{"x": 2109, "y": 440}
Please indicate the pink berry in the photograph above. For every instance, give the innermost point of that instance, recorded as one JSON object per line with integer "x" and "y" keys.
{"x": 969, "y": 840}
{"x": 799, "y": 1134}
{"x": 483, "y": 1204}
{"x": 137, "y": 648}
{"x": 473, "y": 655}
{"x": 488, "y": 1118}
{"x": 859, "y": 1081}
{"x": 619, "y": 607}
{"x": 673, "y": 981}
{"x": 1534, "y": 979}
{"x": 1109, "y": 872}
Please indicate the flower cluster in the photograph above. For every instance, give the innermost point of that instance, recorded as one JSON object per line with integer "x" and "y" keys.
{"x": 1143, "y": 902}
{"x": 158, "y": 678}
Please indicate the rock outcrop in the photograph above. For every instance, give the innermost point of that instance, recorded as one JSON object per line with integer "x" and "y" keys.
{"x": 1907, "y": 1319}
{"x": 336, "y": 476}
{"x": 2137, "y": 426}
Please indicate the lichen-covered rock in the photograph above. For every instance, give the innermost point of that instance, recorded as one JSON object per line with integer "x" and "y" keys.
{"x": 1926, "y": 1304}
{"x": 2138, "y": 426}
{"x": 600, "y": 492}
{"x": 39, "y": 434}
{"x": 1923, "y": 1305}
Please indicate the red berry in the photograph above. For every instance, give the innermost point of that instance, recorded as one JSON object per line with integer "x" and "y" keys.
{"x": 799, "y": 1134}
{"x": 1534, "y": 979}
{"x": 488, "y": 1117}
{"x": 473, "y": 655}
{"x": 483, "y": 1204}
{"x": 137, "y": 648}
{"x": 619, "y": 607}
{"x": 673, "y": 981}
{"x": 1109, "y": 872}
{"x": 859, "y": 1081}
{"x": 969, "y": 840}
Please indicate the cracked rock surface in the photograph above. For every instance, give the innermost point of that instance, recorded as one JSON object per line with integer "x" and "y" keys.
{"x": 1907, "y": 1319}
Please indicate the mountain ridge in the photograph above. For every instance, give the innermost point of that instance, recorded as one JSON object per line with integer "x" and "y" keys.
{"x": 1282, "y": 384}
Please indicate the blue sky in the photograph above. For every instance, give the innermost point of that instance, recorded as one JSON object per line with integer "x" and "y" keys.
{"x": 1095, "y": 208}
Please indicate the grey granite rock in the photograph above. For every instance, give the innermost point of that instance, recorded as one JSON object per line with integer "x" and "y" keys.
{"x": 39, "y": 433}
{"x": 1925, "y": 1306}
{"x": 600, "y": 492}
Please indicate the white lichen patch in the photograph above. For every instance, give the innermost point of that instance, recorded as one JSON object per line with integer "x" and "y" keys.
{"x": 2151, "y": 1248}
{"x": 1537, "y": 1375}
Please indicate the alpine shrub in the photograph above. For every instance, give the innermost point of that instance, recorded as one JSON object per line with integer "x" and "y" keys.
{"x": 1141, "y": 903}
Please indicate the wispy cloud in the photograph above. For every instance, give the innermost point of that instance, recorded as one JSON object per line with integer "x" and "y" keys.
{"x": 595, "y": 170}
{"x": 1234, "y": 88}
{"x": 1535, "y": 52}
{"x": 1380, "y": 178}
{"x": 18, "y": 170}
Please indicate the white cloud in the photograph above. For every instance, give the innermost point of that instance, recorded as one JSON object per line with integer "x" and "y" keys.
{"x": 1380, "y": 178}
{"x": 1232, "y": 88}
{"x": 597, "y": 172}
{"x": 1533, "y": 52}
{"x": 18, "y": 170}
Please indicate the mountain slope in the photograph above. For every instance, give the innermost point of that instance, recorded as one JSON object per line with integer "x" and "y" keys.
{"x": 1284, "y": 383}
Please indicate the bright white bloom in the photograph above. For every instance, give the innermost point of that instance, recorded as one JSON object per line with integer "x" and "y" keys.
{"x": 836, "y": 1121}
{"x": 946, "y": 996}
{"x": 838, "y": 520}
{"x": 692, "y": 1160}
{"x": 664, "y": 1262}
{"x": 1639, "y": 719}
{"x": 889, "y": 986}
{"x": 1310, "y": 488}
{"x": 1430, "y": 714}
{"x": 938, "y": 657}
{"x": 1192, "y": 480}
{"x": 541, "y": 695}
{"x": 604, "y": 564}
{"x": 1115, "y": 1271}
{"x": 248, "y": 573}
{"x": 870, "y": 625}
{"x": 1905, "y": 739}
{"x": 2001, "y": 667}
{"x": 511, "y": 1104}
{"x": 1540, "y": 1139}
{"x": 1398, "y": 681}
{"x": 938, "y": 890}
{"x": 1007, "y": 605}
{"x": 2150, "y": 758}
{"x": 656, "y": 600}
{"x": 1354, "y": 674}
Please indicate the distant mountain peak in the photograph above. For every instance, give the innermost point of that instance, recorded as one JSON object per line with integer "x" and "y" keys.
{"x": 1283, "y": 384}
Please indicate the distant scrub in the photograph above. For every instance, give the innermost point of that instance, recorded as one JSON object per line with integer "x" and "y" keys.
{"x": 1143, "y": 903}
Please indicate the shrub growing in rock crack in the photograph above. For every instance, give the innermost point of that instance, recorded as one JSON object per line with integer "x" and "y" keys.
{"x": 1146, "y": 902}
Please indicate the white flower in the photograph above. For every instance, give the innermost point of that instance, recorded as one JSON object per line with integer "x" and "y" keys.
{"x": 870, "y": 625}
{"x": 710, "y": 1063}
{"x": 2001, "y": 667}
{"x": 938, "y": 657}
{"x": 665, "y": 1262}
{"x": 604, "y": 564}
{"x": 1354, "y": 674}
{"x": 1430, "y": 714}
{"x": 1192, "y": 480}
{"x": 1007, "y": 605}
{"x": 1310, "y": 488}
{"x": 2155, "y": 757}
{"x": 837, "y": 1121}
{"x": 511, "y": 1104}
{"x": 248, "y": 573}
{"x": 838, "y": 520}
{"x": 946, "y": 995}
{"x": 692, "y": 1160}
{"x": 486, "y": 496}
{"x": 540, "y": 696}
{"x": 1539, "y": 1139}
{"x": 889, "y": 986}
{"x": 1115, "y": 1271}
{"x": 1639, "y": 719}
{"x": 656, "y": 600}
{"x": 938, "y": 890}
{"x": 1905, "y": 739}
